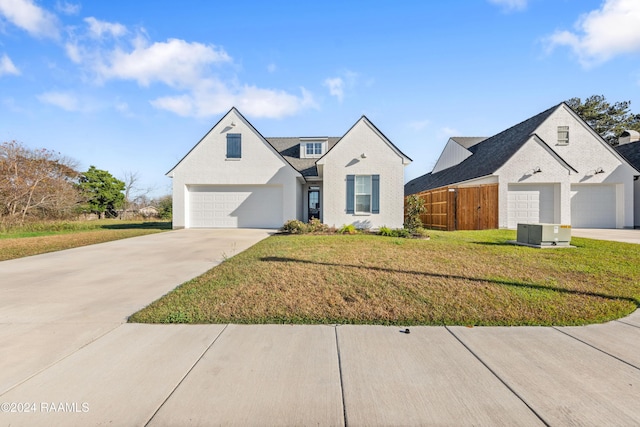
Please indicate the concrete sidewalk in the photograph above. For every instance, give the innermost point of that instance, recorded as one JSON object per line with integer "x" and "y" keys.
{"x": 337, "y": 375}
{"x": 68, "y": 358}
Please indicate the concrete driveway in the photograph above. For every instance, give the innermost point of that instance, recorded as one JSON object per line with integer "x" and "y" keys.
{"x": 68, "y": 358}
{"x": 626, "y": 235}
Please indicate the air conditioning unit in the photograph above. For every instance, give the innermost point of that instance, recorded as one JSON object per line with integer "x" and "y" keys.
{"x": 544, "y": 234}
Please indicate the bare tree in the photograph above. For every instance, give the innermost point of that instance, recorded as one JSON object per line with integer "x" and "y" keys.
{"x": 35, "y": 183}
{"x": 135, "y": 197}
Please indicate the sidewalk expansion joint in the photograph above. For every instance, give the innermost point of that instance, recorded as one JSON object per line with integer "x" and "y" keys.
{"x": 598, "y": 349}
{"x": 2, "y": 393}
{"x": 495, "y": 374}
{"x": 628, "y": 324}
{"x": 186, "y": 374}
{"x": 344, "y": 407}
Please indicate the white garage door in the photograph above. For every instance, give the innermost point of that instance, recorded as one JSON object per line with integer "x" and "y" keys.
{"x": 593, "y": 206}
{"x": 255, "y": 206}
{"x": 527, "y": 204}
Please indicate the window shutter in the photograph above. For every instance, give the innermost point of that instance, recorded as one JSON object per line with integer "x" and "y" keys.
{"x": 234, "y": 146}
{"x": 351, "y": 194}
{"x": 375, "y": 194}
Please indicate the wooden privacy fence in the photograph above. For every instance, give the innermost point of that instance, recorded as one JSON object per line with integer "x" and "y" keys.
{"x": 461, "y": 208}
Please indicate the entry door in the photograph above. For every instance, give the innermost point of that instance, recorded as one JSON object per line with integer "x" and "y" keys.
{"x": 314, "y": 204}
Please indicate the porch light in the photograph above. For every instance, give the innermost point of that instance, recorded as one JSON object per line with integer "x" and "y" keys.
{"x": 537, "y": 170}
{"x": 363, "y": 155}
{"x": 599, "y": 170}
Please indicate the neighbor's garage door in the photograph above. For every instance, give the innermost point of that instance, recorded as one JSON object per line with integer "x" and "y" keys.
{"x": 593, "y": 206}
{"x": 256, "y": 206}
{"x": 529, "y": 204}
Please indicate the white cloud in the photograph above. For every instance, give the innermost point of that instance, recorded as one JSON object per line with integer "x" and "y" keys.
{"x": 7, "y": 66}
{"x": 192, "y": 69}
{"x": 448, "y": 132}
{"x": 68, "y": 8}
{"x": 250, "y": 100}
{"x": 511, "y": 5}
{"x": 603, "y": 33}
{"x": 340, "y": 84}
{"x": 66, "y": 101}
{"x": 98, "y": 28}
{"x": 25, "y": 14}
{"x": 176, "y": 63}
{"x": 336, "y": 87}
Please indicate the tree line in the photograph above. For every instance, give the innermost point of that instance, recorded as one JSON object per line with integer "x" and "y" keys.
{"x": 41, "y": 184}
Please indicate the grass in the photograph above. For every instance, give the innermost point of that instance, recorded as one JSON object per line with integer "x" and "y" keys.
{"x": 34, "y": 239}
{"x": 455, "y": 278}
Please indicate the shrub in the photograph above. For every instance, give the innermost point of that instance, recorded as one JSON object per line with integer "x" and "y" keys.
{"x": 294, "y": 226}
{"x": 315, "y": 226}
{"x": 348, "y": 229}
{"x": 414, "y": 207}
{"x": 385, "y": 231}
{"x": 421, "y": 232}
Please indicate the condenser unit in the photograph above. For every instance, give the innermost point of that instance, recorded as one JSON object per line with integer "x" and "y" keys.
{"x": 544, "y": 234}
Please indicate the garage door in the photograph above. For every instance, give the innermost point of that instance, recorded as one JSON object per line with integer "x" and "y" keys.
{"x": 529, "y": 204}
{"x": 593, "y": 206}
{"x": 257, "y": 206}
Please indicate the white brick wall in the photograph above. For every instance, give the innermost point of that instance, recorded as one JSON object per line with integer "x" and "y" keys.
{"x": 346, "y": 159}
{"x": 207, "y": 164}
{"x": 585, "y": 153}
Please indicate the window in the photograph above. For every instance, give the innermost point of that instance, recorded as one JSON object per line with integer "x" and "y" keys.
{"x": 234, "y": 146}
{"x": 314, "y": 149}
{"x": 563, "y": 135}
{"x": 363, "y": 194}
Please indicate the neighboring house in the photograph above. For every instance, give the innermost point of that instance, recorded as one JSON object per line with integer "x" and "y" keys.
{"x": 551, "y": 168}
{"x": 629, "y": 147}
{"x": 235, "y": 177}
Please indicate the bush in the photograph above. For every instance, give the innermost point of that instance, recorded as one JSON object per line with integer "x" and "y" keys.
{"x": 315, "y": 226}
{"x": 294, "y": 226}
{"x": 385, "y": 231}
{"x": 414, "y": 207}
{"x": 348, "y": 229}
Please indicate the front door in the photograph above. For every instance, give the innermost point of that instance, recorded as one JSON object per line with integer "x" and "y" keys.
{"x": 314, "y": 204}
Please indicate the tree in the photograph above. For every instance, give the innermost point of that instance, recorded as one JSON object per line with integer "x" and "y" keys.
{"x": 103, "y": 192}
{"x": 165, "y": 207}
{"x": 36, "y": 183}
{"x": 608, "y": 120}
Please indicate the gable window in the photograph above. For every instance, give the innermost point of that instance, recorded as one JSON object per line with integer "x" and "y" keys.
{"x": 234, "y": 146}
{"x": 314, "y": 149}
{"x": 563, "y": 135}
{"x": 363, "y": 194}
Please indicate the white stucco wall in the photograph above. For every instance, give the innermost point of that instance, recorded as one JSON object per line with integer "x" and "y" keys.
{"x": 206, "y": 164}
{"x": 346, "y": 159}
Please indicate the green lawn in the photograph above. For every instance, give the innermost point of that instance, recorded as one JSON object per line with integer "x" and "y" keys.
{"x": 455, "y": 278}
{"x": 34, "y": 239}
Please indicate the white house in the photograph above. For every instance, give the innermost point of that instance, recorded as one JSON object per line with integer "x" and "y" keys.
{"x": 235, "y": 177}
{"x": 551, "y": 168}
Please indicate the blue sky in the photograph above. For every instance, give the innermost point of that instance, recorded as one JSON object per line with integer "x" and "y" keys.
{"x": 131, "y": 86}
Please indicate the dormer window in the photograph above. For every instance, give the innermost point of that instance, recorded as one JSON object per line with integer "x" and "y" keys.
{"x": 312, "y": 148}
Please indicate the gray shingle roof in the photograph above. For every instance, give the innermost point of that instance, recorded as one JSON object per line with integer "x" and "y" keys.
{"x": 488, "y": 156}
{"x": 289, "y": 148}
{"x": 631, "y": 152}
